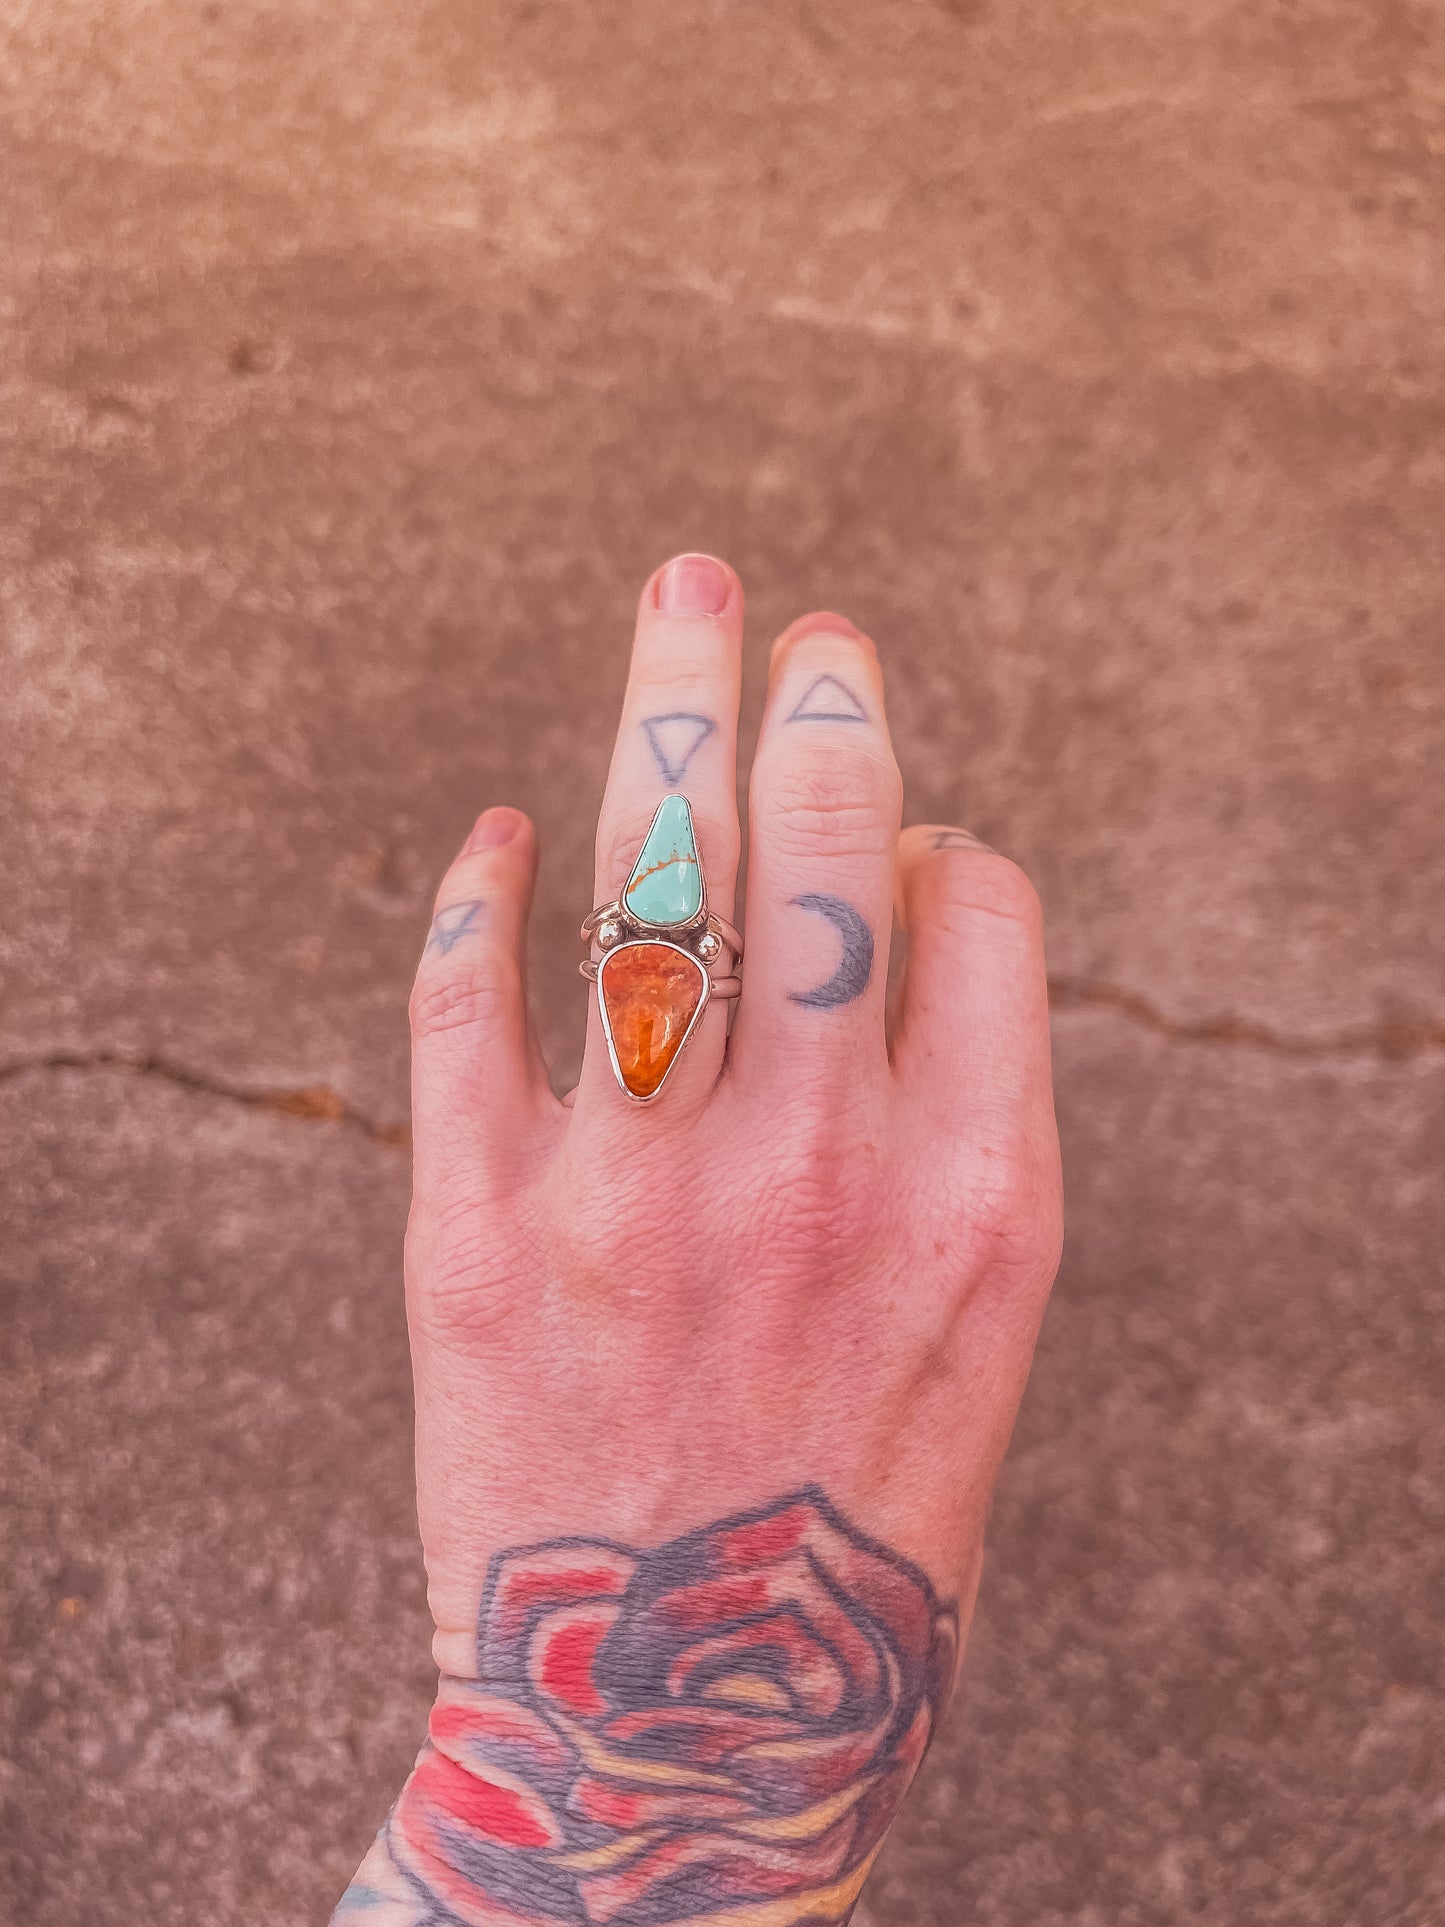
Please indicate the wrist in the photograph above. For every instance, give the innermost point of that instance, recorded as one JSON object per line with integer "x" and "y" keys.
{"x": 725, "y": 1723}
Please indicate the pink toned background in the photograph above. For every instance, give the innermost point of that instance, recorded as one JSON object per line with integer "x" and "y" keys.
{"x": 356, "y": 364}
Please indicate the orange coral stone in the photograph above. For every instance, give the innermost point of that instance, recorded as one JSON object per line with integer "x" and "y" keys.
{"x": 649, "y": 992}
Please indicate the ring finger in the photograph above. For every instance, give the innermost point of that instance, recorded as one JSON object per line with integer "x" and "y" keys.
{"x": 678, "y": 736}
{"x": 826, "y": 801}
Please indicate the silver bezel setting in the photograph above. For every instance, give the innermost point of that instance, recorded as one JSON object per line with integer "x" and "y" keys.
{"x": 698, "y": 921}
{"x": 636, "y": 943}
{"x": 626, "y": 929}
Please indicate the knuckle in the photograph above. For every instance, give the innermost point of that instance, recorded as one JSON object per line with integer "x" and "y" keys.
{"x": 463, "y": 1291}
{"x": 838, "y": 802}
{"x": 472, "y": 1003}
{"x": 821, "y": 1209}
{"x": 467, "y": 1243}
{"x": 1015, "y": 1211}
{"x": 450, "y": 1258}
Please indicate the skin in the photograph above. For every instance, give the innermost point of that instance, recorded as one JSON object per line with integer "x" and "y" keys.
{"x": 819, "y": 1259}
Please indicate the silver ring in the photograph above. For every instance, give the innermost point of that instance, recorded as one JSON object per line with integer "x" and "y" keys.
{"x": 658, "y": 948}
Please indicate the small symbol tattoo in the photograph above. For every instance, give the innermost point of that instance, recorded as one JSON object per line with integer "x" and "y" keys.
{"x": 855, "y": 964}
{"x": 827, "y": 700}
{"x": 958, "y": 840}
{"x": 449, "y": 926}
{"x": 675, "y": 739}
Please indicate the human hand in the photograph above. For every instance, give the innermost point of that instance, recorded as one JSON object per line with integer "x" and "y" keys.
{"x": 711, "y": 1391}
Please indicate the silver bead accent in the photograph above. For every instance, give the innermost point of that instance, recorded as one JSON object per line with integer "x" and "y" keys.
{"x": 709, "y": 946}
{"x": 608, "y": 932}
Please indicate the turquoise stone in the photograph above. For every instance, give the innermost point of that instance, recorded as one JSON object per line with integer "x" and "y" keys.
{"x": 665, "y": 888}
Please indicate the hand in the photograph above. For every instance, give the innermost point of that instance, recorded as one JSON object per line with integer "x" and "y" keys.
{"x": 711, "y": 1391}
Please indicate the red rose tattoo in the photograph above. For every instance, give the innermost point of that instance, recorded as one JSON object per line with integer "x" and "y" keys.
{"x": 719, "y": 1730}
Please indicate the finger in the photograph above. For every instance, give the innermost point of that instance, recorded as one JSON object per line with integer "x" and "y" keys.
{"x": 477, "y": 1075}
{"x": 678, "y": 735}
{"x": 973, "y": 1035}
{"x": 823, "y": 814}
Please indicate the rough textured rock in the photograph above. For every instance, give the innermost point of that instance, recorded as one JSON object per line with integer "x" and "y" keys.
{"x": 356, "y": 364}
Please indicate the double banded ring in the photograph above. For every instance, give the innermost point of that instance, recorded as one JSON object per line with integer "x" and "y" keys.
{"x": 657, "y": 952}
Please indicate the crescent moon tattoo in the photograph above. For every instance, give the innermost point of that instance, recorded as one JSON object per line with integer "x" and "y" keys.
{"x": 855, "y": 965}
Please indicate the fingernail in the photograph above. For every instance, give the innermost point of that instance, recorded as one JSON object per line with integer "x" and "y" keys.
{"x": 959, "y": 840}
{"x": 693, "y": 585}
{"x": 494, "y": 828}
{"x": 822, "y": 622}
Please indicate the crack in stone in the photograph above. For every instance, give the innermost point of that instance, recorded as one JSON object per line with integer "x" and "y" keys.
{"x": 314, "y": 1103}
{"x": 1394, "y": 1041}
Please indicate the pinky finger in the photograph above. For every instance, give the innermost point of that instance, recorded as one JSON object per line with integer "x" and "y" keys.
{"x": 974, "y": 1036}
{"x": 477, "y": 1075}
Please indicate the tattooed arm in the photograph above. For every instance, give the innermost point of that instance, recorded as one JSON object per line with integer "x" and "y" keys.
{"x": 711, "y": 1394}
{"x": 725, "y": 1721}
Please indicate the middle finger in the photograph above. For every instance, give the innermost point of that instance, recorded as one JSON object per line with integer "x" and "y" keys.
{"x": 678, "y": 735}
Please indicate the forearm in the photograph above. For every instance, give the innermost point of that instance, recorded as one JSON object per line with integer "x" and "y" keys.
{"x": 381, "y": 1895}
{"x": 719, "y": 1728}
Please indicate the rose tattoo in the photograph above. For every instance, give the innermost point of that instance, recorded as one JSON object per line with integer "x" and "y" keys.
{"x": 718, "y": 1730}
